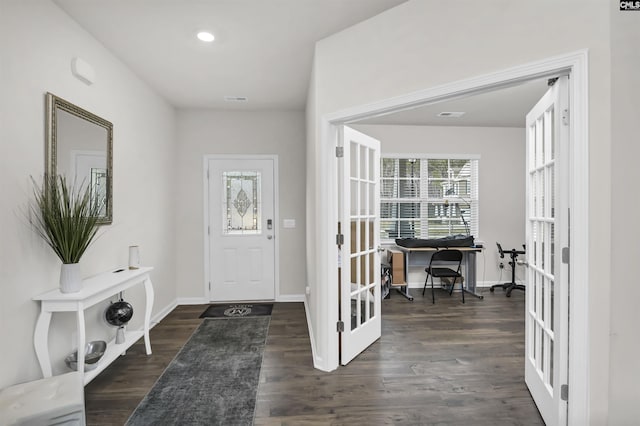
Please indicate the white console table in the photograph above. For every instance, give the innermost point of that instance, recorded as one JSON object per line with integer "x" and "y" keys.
{"x": 94, "y": 290}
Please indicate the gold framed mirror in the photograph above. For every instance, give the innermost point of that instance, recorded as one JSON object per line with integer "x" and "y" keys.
{"x": 80, "y": 146}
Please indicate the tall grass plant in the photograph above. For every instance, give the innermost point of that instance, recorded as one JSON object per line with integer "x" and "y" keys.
{"x": 64, "y": 216}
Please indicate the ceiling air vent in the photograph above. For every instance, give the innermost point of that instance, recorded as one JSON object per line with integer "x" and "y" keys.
{"x": 235, "y": 98}
{"x": 451, "y": 114}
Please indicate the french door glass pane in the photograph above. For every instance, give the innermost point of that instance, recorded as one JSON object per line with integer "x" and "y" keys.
{"x": 543, "y": 339}
{"x": 552, "y": 140}
{"x": 534, "y": 195}
{"x": 355, "y": 198}
{"x": 544, "y": 226}
{"x": 551, "y": 304}
{"x": 542, "y": 193}
{"x": 551, "y": 363}
{"x": 543, "y": 283}
{"x": 552, "y": 185}
{"x": 533, "y": 290}
{"x": 364, "y": 198}
{"x": 363, "y": 273}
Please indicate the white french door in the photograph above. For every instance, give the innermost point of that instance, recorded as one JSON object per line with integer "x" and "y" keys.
{"x": 547, "y": 237}
{"x": 241, "y": 228}
{"x": 359, "y": 254}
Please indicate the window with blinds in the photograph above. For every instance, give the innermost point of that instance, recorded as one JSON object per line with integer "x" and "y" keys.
{"x": 428, "y": 197}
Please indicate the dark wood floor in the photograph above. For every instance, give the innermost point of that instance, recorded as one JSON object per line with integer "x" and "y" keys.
{"x": 442, "y": 364}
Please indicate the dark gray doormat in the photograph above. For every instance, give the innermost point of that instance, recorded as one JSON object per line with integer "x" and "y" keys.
{"x": 213, "y": 380}
{"x": 237, "y": 310}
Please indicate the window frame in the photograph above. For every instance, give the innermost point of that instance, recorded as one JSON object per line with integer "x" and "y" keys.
{"x": 423, "y": 199}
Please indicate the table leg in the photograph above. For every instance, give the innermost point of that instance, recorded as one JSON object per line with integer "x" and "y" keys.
{"x": 404, "y": 290}
{"x": 81, "y": 339}
{"x": 470, "y": 270}
{"x": 148, "y": 288}
{"x": 41, "y": 342}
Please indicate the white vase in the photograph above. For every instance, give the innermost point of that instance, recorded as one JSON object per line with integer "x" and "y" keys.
{"x": 70, "y": 281}
{"x": 134, "y": 257}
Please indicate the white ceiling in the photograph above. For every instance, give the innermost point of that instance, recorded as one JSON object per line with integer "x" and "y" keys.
{"x": 500, "y": 108}
{"x": 263, "y": 48}
{"x": 263, "y": 51}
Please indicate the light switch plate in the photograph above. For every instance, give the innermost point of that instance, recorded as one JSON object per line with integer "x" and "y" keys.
{"x": 289, "y": 223}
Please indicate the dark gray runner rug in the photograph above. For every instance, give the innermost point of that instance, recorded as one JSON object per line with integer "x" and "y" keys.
{"x": 214, "y": 378}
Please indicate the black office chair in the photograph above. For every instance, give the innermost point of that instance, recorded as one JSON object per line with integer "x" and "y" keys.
{"x": 509, "y": 287}
{"x": 434, "y": 270}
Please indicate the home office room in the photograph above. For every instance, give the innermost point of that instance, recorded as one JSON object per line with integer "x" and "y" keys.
{"x": 254, "y": 173}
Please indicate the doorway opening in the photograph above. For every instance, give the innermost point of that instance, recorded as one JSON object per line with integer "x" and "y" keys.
{"x": 574, "y": 64}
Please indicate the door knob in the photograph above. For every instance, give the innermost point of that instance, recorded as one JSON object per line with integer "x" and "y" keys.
{"x": 269, "y": 237}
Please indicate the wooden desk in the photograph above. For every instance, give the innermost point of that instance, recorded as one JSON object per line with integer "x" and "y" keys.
{"x": 94, "y": 290}
{"x": 421, "y": 253}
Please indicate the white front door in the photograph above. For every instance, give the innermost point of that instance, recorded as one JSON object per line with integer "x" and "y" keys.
{"x": 360, "y": 258}
{"x": 547, "y": 229}
{"x": 241, "y": 229}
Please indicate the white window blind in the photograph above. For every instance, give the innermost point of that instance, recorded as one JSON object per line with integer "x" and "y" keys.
{"x": 428, "y": 197}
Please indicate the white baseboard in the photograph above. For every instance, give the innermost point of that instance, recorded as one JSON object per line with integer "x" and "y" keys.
{"x": 291, "y": 298}
{"x": 204, "y": 301}
{"x": 192, "y": 301}
{"x": 317, "y": 362}
{"x": 163, "y": 313}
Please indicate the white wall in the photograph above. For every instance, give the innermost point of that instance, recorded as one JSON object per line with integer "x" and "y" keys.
{"x": 202, "y": 132}
{"x": 37, "y": 44}
{"x": 424, "y": 43}
{"x": 501, "y": 182}
{"x": 625, "y": 205}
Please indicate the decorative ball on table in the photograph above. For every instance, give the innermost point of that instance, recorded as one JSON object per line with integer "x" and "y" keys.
{"x": 119, "y": 314}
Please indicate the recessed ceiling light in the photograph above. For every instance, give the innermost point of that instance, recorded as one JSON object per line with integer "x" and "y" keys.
{"x": 451, "y": 114}
{"x": 206, "y": 36}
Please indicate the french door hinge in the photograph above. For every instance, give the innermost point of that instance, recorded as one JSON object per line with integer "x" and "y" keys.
{"x": 207, "y": 173}
{"x": 339, "y": 151}
{"x": 339, "y": 239}
{"x": 565, "y": 116}
{"x": 565, "y": 255}
{"x": 564, "y": 392}
{"x": 209, "y": 285}
{"x": 340, "y": 326}
{"x": 208, "y": 230}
